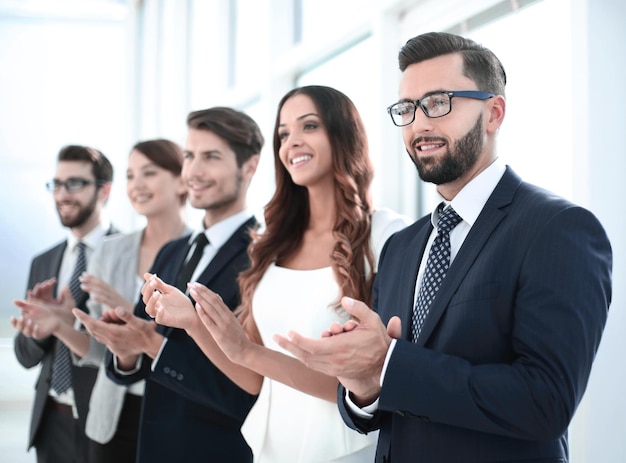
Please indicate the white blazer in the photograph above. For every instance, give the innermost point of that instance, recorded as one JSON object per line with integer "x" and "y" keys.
{"x": 116, "y": 262}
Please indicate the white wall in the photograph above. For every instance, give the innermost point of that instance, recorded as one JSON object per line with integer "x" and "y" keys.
{"x": 599, "y": 42}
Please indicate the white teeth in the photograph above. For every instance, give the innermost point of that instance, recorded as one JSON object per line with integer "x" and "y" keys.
{"x": 300, "y": 159}
{"x": 428, "y": 147}
{"x": 141, "y": 199}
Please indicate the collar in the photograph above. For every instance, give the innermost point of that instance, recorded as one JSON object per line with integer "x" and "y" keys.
{"x": 221, "y": 232}
{"x": 91, "y": 239}
{"x": 469, "y": 202}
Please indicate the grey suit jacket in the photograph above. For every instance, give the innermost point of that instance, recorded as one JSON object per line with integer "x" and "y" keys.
{"x": 31, "y": 352}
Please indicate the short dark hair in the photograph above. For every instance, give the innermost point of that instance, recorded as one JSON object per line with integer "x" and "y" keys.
{"x": 479, "y": 63}
{"x": 100, "y": 166}
{"x": 239, "y": 130}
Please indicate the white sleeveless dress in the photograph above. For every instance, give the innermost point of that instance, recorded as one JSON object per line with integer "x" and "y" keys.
{"x": 286, "y": 425}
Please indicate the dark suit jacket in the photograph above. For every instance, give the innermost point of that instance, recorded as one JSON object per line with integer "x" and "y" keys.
{"x": 506, "y": 351}
{"x": 191, "y": 411}
{"x": 30, "y": 352}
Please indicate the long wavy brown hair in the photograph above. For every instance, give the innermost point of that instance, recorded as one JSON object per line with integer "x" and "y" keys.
{"x": 287, "y": 213}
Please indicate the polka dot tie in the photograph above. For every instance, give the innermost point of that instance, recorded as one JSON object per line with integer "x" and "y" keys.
{"x": 62, "y": 367}
{"x": 436, "y": 268}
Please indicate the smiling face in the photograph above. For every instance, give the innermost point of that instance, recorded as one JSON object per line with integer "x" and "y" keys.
{"x": 81, "y": 209}
{"x": 151, "y": 188}
{"x": 305, "y": 149}
{"x": 452, "y": 149}
{"x": 213, "y": 179}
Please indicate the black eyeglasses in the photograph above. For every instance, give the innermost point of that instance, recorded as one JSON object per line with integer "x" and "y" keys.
{"x": 434, "y": 105}
{"x": 72, "y": 185}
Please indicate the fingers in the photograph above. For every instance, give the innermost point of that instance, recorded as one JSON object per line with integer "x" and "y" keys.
{"x": 23, "y": 325}
{"x": 290, "y": 346}
{"x": 394, "y": 327}
{"x": 110, "y": 316}
{"x": 17, "y": 323}
{"x": 357, "y": 309}
{"x": 85, "y": 319}
{"x": 153, "y": 286}
{"x": 124, "y": 315}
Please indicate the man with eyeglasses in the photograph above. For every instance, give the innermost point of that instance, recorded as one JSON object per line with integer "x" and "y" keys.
{"x": 80, "y": 189}
{"x": 487, "y": 312}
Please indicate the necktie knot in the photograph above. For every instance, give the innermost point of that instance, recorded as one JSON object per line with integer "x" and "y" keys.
{"x": 201, "y": 241}
{"x": 448, "y": 219}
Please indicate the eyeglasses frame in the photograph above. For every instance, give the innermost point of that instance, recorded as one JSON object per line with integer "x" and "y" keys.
{"x": 474, "y": 94}
{"x": 55, "y": 185}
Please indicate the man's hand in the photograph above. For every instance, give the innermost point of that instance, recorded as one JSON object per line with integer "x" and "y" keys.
{"x": 127, "y": 337}
{"x": 38, "y": 320}
{"x": 354, "y": 353}
{"x": 168, "y": 305}
{"x": 43, "y": 291}
{"x": 218, "y": 319}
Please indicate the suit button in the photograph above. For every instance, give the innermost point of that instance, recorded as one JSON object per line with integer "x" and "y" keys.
{"x": 179, "y": 377}
{"x": 166, "y": 370}
{"x": 173, "y": 373}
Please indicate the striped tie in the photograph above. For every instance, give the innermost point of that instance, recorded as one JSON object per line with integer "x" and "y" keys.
{"x": 62, "y": 366}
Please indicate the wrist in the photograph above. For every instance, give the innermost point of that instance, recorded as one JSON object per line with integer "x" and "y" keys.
{"x": 364, "y": 397}
{"x": 126, "y": 362}
{"x": 153, "y": 344}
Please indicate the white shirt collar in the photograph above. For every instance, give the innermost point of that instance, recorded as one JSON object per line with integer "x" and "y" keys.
{"x": 469, "y": 202}
{"x": 91, "y": 239}
{"x": 221, "y": 232}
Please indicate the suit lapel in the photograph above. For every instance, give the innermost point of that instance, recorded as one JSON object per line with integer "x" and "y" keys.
{"x": 492, "y": 214}
{"x": 236, "y": 243}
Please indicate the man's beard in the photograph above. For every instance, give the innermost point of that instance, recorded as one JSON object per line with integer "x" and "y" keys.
{"x": 84, "y": 213}
{"x": 456, "y": 161}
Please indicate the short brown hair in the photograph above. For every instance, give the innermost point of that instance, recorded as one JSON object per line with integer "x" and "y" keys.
{"x": 238, "y": 129}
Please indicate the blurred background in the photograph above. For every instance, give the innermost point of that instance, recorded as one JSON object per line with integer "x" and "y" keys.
{"x": 107, "y": 73}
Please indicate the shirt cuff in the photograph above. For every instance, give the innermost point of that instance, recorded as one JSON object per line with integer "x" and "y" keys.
{"x": 127, "y": 372}
{"x": 158, "y": 355}
{"x": 368, "y": 411}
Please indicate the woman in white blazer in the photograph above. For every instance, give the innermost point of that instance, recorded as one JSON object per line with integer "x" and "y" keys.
{"x": 114, "y": 278}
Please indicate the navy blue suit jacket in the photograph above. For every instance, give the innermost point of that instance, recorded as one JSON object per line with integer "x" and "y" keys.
{"x": 505, "y": 353}
{"x": 191, "y": 411}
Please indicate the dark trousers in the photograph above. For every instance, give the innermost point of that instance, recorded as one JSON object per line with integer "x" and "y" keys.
{"x": 122, "y": 448}
{"x": 60, "y": 438}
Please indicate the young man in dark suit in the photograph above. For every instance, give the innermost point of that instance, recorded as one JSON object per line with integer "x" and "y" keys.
{"x": 191, "y": 411}
{"x": 81, "y": 187}
{"x": 486, "y": 357}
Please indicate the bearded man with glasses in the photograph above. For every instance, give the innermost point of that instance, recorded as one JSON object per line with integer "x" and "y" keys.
{"x": 80, "y": 188}
{"x": 488, "y": 312}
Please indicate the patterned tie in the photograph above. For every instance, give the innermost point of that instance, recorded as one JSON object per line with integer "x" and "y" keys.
{"x": 62, "y": 367}
{"x": 187, "y": 271}
{"x": 436, "y": 268}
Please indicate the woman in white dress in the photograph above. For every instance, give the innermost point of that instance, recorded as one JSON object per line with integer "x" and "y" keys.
{"x": 321, "y": 241}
